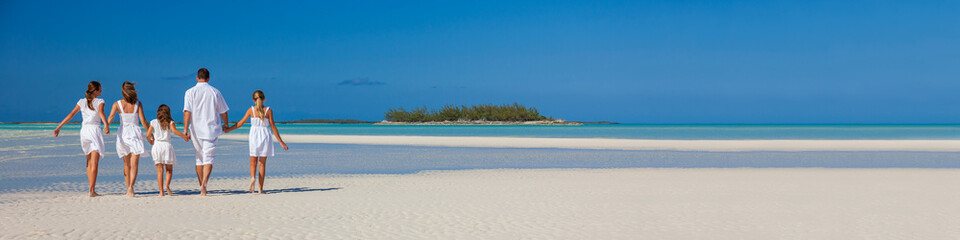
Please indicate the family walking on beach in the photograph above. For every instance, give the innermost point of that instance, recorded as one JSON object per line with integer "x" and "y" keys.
{"x": 204, "y": 120}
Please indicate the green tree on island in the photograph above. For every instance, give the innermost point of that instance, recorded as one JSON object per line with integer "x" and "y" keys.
{"x": 485, "y": 112}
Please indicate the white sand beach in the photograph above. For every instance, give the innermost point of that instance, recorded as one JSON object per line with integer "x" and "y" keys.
{"x": 629, "y": 144}
{"x": 515, "y": 204}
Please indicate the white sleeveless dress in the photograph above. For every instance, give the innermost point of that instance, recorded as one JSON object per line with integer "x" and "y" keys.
{"x": 129, "y": 135}
{"x": 91, "y": 135}
{"x": 162, "y": 150}
{"x": 261, "y": 138}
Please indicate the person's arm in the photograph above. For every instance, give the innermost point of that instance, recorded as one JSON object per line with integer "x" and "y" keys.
{"x": 103, "y": 119}
{"x": 221, "y": 106}
{"x": 113, "y": 111}
{"x": 187, "y": 108}
{"x": 186, "y": 125}
{"x": 143, "y": 120}
{"x": 275, "y": 131}
{"x": 240, "y": 123}
{"x": 173, "y": 127}
{"x": 150, "y": 134}
{"x": 56, "y": 131}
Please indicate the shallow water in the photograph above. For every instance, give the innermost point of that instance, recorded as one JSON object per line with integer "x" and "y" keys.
{"x": 626, "y": 131}
{"x": 32, "y": 159}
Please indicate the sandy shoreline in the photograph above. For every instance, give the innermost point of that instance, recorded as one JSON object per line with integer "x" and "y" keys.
{"x": 498, "y": 204}
{"x": 629, "y": 144}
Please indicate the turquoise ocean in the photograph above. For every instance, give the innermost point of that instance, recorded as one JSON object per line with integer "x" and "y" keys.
{"x": 30, "y": 158}
{"x": 624, "y": 131}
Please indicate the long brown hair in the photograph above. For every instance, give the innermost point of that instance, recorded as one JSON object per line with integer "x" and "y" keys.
{"x": 129, "y": 92}
{"x": 163, "y": 116}
{"x": 92, "y": 87}
{"x": 258, "y": 98}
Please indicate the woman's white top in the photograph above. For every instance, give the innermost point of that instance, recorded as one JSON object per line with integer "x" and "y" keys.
{"x": 91, "y": 137}
{"x": 90, "y": 116}
{"x": 129, "y": 134}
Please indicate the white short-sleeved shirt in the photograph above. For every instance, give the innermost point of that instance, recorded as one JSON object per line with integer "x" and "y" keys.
{"x": 90, "y": 116}
{"x": 205, "y": 104}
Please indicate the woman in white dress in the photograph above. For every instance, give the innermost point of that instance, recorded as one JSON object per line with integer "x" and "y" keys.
{"x": 129, "y": 135}
{"x": 91, "y": 140}
{"x": 158, "y": 134}
{"x": 261, "y": 137}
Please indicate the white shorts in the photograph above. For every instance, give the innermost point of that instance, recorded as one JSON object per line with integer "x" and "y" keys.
{"x": 204, "y": 149}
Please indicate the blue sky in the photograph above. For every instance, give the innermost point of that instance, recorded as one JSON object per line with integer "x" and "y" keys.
{"x": 625, "y": 61}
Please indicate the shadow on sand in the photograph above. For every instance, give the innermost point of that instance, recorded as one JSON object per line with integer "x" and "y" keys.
{"x": 237, "y": 192}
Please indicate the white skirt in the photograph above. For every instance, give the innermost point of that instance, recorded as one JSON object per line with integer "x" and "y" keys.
{"x": 261, "y": 142}
{"x": 130, "y": 141}
{"x": 163, "y": 153}
{"x": 91, "y": 139}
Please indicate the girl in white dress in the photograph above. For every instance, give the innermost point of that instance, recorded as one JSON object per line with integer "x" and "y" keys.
{"x": 129, "y": 135}
{"x": 261, "y": 137}
{"x": 158, "y": 134}
{"x": 91, "y": 140}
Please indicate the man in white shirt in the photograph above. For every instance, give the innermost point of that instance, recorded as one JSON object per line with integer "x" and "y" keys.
{"x": 203, "y": 105}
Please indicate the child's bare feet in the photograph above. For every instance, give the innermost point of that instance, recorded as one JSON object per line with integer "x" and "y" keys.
{"x": 130, "y": 192}
{"x": 203, "y": 191}
{"x": 94, "y": 194}
{"x": 169, "y": 192}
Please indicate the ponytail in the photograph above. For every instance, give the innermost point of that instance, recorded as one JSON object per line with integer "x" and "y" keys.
{"x": 258, "y": 98}
{"x": 92, "y": 87}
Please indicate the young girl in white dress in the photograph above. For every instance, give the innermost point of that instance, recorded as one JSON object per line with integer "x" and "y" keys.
{"x": 158, "y": 134}
{"x": 91, "y": 140}
{"x": 129, "y": 134}
{"x": 261, "y": 137}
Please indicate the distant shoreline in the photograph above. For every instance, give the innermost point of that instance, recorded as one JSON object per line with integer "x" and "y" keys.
{"x": 481, "y": 122}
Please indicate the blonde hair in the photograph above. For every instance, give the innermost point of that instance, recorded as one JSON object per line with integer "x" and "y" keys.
{"x": 259, "y": 109}
{"x": 129, "y": 92}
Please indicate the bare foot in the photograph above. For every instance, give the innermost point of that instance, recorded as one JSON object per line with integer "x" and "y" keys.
{"x": 252, "y": 182}
{"x": 203, "y": 191}
{"x": 130, "y": 192}
{"x": 161, "y": 194}
{"x": 260, "y": 191}
{"x": 94, "y": 194}
{"x": 169, "y": 192}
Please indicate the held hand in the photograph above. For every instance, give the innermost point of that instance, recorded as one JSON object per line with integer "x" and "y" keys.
{"x": 226, "y": 129}
{"x": 56, "y": 132}
{"x": 106, "y": 130}
{"x": 186, "y": 137}
{"x": 284, "y": 145}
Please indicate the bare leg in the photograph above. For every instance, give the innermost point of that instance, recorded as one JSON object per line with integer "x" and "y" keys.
{"x": 134, "y": 164}
{"x": 206, "y": 178}
{"x": 200, "y": 175}
{"x": 169, "y": 168}
{"x": 263, "y": 171}
{"x": 160, "y": 178}
{"x": 93, "y": 162}
{"x": 253, "y": 172}
{"x": 126, "y": 170}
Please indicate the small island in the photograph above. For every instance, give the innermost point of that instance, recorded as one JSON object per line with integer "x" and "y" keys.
{"x": 485, "y": 114}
